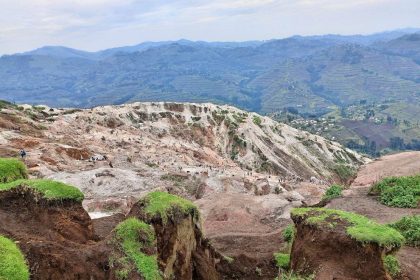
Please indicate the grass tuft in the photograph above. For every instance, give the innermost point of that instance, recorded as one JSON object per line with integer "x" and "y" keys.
{"x": 282, "y": 260}
{"x": 12, "y": 262}
{"x": 409, "y": 227}
{"x": 403, "y": 192}
{"x": 128, "y": 235}
{"x": 163, "y": 204}
{"x": 11, "y": 169}
{"x": 333, "y": 192}
{"x": 392, "y": 265}
{"x": 48, "y": 189}
{"x": 289, "y": 233}
{"x": 360, "y": 228}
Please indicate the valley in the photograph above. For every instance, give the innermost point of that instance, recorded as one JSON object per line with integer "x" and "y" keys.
{"x": 244, "y": 172}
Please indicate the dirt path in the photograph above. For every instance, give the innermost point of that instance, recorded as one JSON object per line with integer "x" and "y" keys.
{"x": 356, "y": 199}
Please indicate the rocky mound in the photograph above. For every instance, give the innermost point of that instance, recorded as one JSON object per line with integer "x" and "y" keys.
{"x": 336, "y": 244}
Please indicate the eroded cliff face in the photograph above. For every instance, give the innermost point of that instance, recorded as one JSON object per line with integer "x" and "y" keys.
{"x": 144, "y": 143}
{"x": 56, "y": 237}
{"x": 183, "y": 252}
{"x": 59, "y": 241}
{"x": 323, "y": 246}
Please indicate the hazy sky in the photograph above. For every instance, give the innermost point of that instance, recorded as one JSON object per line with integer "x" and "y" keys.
{"x": 100, "y": 24}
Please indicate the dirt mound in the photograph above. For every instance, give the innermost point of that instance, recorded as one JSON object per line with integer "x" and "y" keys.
{"x": 333, "y": 245}
{"x": 56, "y": 237}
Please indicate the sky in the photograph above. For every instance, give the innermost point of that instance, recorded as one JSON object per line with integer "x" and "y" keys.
{"x": 99, "y": 24}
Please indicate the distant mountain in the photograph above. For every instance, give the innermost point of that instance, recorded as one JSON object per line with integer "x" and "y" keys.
{"x": 407, "y": 45}
{"x": 310, "y": 73}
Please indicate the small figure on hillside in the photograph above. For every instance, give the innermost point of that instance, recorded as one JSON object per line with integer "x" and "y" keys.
{"x": 22, "y": 153}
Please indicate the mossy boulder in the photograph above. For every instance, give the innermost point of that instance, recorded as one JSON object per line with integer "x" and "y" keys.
{"x": 334, "y": 243}
{"x": 45, "y": 189}
{"x": 12, "y": 262}
{"x": 12, "y": 169}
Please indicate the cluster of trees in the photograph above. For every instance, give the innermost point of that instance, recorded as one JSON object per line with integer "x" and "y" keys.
{"x": 369, "y": 147}
{"x": 397, "y": 143}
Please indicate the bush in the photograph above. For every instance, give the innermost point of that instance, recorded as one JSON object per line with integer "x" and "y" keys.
{"x": 11, "y": 169}
{"x": 333, "y": 192}
{"x": 409, "y": 227}
{"x": 344, "y": 172}
{"x": 289, "y": 233}
{"x": 257, "y": 120}
{"x": 12, "y": 263}
{"x": 403, "y": 192}
{"x": 392, "y": 265}
{"x": 282, "y": 260}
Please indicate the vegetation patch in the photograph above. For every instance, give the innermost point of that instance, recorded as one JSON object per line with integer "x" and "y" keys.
{"x": 344, "y": 171}
{"x": 48, "y": 189}
{"x": 289, "y": 233}
{"x": 12, "y": 262}
{"x": 11, "y": 169}
{"x": 409, "y": 227}
{"x": 282, "y": 260}
{"x": 332, "y": 192}
{"x": 257, "y": 120}
{"x": 403, "y": 192}
{"x": 163, "y": 204}
{"x": 392, "y": 265}
{"x": 358, "y": 227}
{"x": 131, "y": 237}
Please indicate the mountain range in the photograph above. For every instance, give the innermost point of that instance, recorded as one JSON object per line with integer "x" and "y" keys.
{"x": 310, "y": 73}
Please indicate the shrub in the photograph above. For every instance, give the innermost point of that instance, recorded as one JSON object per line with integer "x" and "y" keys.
{"x": 344, "y": 172}
{"x": 289, "y": 233}
{"x": 282, "y": 260}
{"x": 11, "y": 169}
{"x": 409, "y": 227}
{"x": 401, "y": 192}
{"x": 48, "y": 189}
{"x": 12, "y": 262}
{"x": 392, "y": 265}
{"x": 132, "y": 236}
{"x": 257, "y": 120}
{"x": 361, "y": 228}
{"x": 333, "y": 192}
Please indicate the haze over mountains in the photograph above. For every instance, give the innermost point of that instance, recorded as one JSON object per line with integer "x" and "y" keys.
{"x": 310, "y": 73}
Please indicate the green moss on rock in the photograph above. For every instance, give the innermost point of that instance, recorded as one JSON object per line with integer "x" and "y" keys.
{"x": 12, "y": 262}
{"x": 357, "y": 227}
{"x": 163, "y": 205}
{"x": 48, "y": 189}
{"x": 11, "y": 169}
{"x": 131, "y": 236}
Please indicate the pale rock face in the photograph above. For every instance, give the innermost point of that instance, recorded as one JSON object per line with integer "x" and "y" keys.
{"x": 244, "y": 171}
